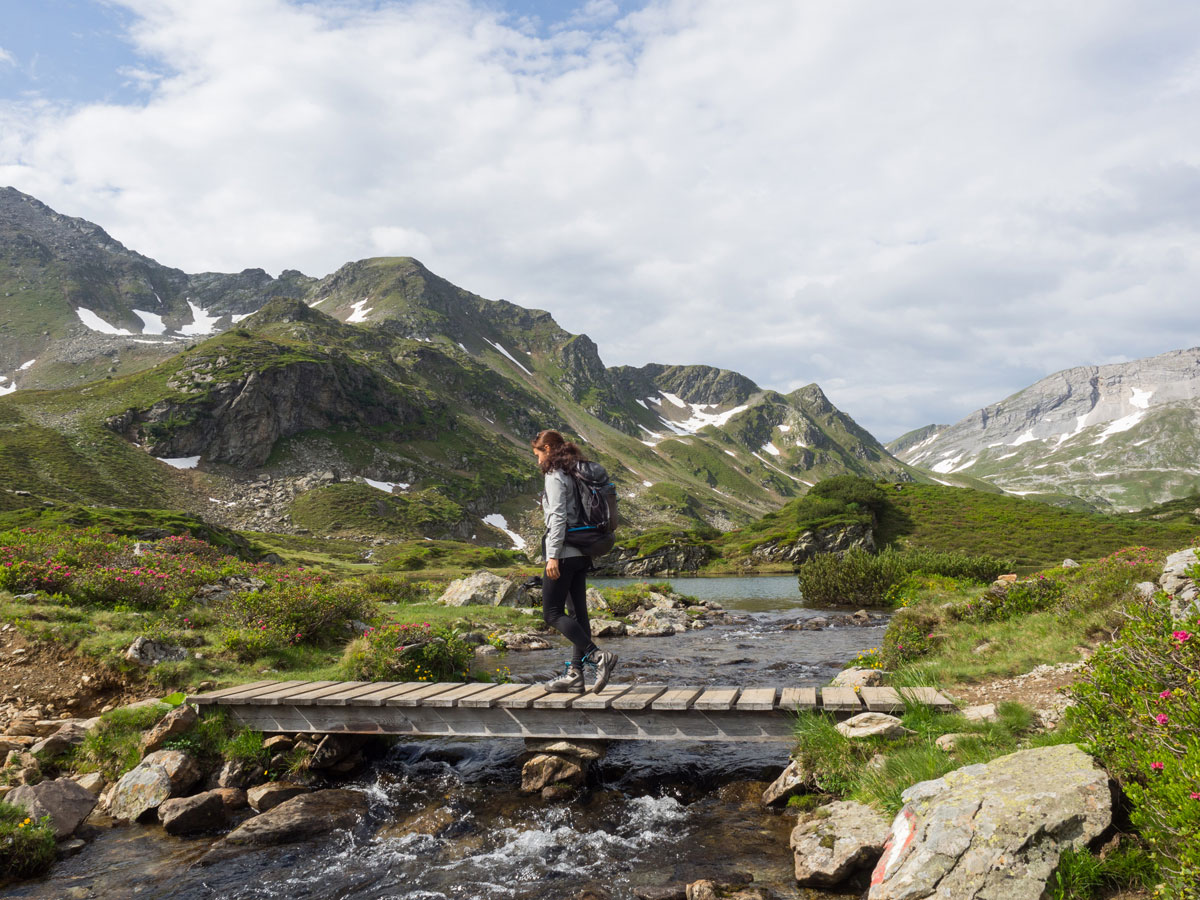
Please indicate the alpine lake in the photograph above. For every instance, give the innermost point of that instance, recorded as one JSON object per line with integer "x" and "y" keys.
{"x": 447, "y": 818}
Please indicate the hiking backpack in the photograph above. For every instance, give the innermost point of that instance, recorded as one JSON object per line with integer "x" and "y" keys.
{"x": 597, "y": 495}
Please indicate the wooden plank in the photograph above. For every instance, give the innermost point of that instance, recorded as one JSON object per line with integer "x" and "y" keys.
{"x": 308, "y": 696}
{"x": 284, "y": 693}
{"x": 717, "y": 699}
{"x": 882, "y": 699}
{"x": 451, "y": 698}
{"x": 639, "y": 697}
{"x": 522, "y": 699}
{"x": 214, "y": 696}
{"x": 353, "y": 689}
{"x": 419, "y": 696}
{"x": 556, "y": 700}
{"x": 253, "y": 695}
{"x": 926, "y": 695}
{"x": 385, "y": 691}
{"x": 680, "y": 698}
{"x": 489, "y": 697}
{"x": 757, "y": 699}
{"x": 840, "y": 699}
{"x": 603, "y": 699}
{"x": 792, "y": 699}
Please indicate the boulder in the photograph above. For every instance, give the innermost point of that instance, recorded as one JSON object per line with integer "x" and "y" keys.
{"x": 994, "y": 830}
{"x": 857, "y": 677}
{"x": 607, "y": 628}
{"x": 1185, "y": 599}
{"x": 550, "y": 768}
{"x": 234, "y": 798}
{"x": 831, "y": 843}
{"x": 1070, "y": 564}
{"x": 1146, "y": 589}
{"x": 268, "y": 796}
{"x": 238, "y": 773}
{"x": 580, "y": 749}
{"x": 948, "y": 742}
{"x": 793, "y": 780}
{"x": 872, "y": 724}
{"x": 520, "y": 641}
{"x": 92, "y": 781}
{"x": 178, "y": 721}
{"x": 200, "y": 812}
{"x": 68, "y": 736}
{"x": 483, "y": 589}
{"x": 147, "y": 652}
{"x": 65, "y": 802}
{"x": 159, "y": 777}
{"x": 297, "y": 819}
{"x": 985, "y": 712}
{"x": 595, "y": 600}
{"x": 226, "y": 587}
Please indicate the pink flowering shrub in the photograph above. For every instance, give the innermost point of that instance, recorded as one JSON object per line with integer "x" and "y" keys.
{"x": 407, "y": 653}
{"x": 297, "y": 608}
{"x": 1138, "y": 706}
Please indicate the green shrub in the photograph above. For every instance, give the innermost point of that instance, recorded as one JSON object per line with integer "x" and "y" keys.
{"x": 858, "y": 578}
{"x": 851, "y": 489}
{"x": 289, "y": 613}
{"x": 390, "y": 589}
{"x": 27, "y": 847}
{"x": 407, "y": 653}
{"x": 623, "y": 601}
{"x": 113, "y": 747}
{"x": 1082, "y": 875}
{"x": 1002, "y": 602}
{"x": 910, "y": 635}
{"x": 1137, "y": 705}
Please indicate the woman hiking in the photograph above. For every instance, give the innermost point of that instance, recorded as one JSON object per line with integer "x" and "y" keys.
{"x": 566, "y": 566}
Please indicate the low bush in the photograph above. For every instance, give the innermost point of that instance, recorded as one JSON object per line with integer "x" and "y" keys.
{"x": 410, "y": 652}
{"x": 27, "y": 847}
{"x": 301, "y": 611}
{"x": 113, "y": 747}
{"x": 623, "y": 601}
{"x": 1137, "y": 704}
{"x": 859, "y": 578}
{"x": 910, "y": 634}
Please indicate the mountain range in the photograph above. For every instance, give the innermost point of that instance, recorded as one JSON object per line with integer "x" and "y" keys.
{"x": 381, "y": 400}
{"x": 1118, "y": 437}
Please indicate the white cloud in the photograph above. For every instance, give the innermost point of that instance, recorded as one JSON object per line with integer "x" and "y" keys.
{"x": 922, "y": 209}
{"x": 6, "y": 57}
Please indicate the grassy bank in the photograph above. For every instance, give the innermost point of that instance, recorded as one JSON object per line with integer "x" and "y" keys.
{"x": 1135, "y": 706}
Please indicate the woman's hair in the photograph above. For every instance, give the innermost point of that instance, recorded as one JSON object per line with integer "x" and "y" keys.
{"x": 561, "y": 453}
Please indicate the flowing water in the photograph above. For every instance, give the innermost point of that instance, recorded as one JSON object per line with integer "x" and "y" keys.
{"x": 447, "y": 819}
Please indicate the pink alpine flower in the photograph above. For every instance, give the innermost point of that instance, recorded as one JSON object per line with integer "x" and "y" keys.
{"x": 1161, "y": 719}
{"x": 1156, "y": 766}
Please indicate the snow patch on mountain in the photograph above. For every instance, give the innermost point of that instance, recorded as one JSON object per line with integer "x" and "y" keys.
{"x": 152, "y": 323}
{"x": 181, "y": 462}
{"x": 498, "y": 521}
{"x": 1123, "y": 424}
{"x": 202, "y": 322}
{"x": 360, "y": 311}
{"x": 95, "y": 323}
{"x": 388, "y": 487}
{"x": 511, "y": 358}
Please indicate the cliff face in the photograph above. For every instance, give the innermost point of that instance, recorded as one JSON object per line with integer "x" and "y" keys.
{"x": 238, "y": 422}
{"x": 1119, "y": 436}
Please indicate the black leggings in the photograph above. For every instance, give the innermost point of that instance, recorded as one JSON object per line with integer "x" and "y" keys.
{"x": 570, "y": 587}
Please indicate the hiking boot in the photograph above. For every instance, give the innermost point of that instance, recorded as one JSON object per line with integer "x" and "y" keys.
{"x": 604, "y": 661}
{"x": 569, "y": 682}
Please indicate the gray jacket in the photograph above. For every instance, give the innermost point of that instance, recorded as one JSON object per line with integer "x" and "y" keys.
{"x": 560, "y": 505}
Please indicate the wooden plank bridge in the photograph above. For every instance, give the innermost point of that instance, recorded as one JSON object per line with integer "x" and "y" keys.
{"x": 643, "y": 712}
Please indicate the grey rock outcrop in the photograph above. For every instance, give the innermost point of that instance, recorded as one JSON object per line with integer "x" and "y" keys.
{"x": 549, "y": 768}
{"x": 872, "y": 724}
{"x": 793, "y": 780}
{"x": 810, "y": 543}
{"x": 832, "y": 843}
{"x": 297, "y": 819}
{"x": 994, "y": 830}
{"x": 148, "y": 652}
{"x": 63, "y": 800}
{"x": 483, "y": 589}
{"x": 159, "y": 777}
{"x": 70, "y": 735}
{"x": 1185, "y": 599}
{"x": 267, "y": 796}
{"x": 178, "y": 721}
{"x": 200, "y": 812}
{"x": 664, "y": 562}
{"x": 857, "y": 677}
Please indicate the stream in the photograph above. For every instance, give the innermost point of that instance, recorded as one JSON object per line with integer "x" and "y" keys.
{"x": 447, "y": 819}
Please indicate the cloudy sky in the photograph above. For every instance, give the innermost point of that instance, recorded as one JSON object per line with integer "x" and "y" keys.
{"x": 921, "y": 206}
